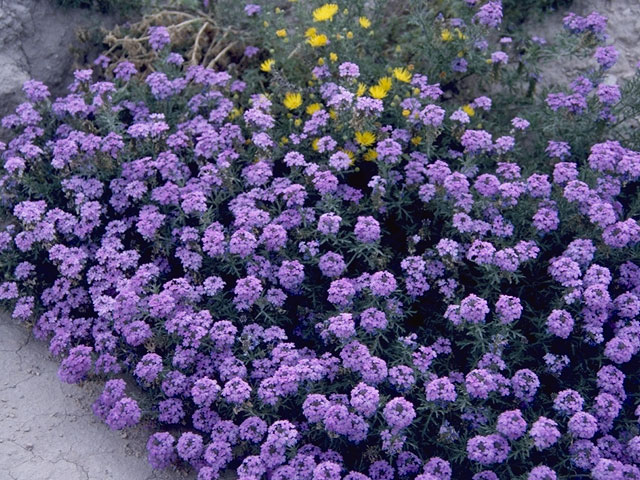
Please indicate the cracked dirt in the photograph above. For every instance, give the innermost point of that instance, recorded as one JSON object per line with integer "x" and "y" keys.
{"x": 47, "y": 429}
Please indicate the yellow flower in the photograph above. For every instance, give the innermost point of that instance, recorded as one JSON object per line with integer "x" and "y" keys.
{"x": 332, "y": 114}
{"x": 402, "y": 74}
{"x": 461, "y": 35}
{"x": 416, "y": 140}
{"x": 267, "y": 65}
{"x": 284, "y": 140}
{"x": 281, "y": 33}
{"x": 446, "y": 35}
{"x": 325, "y": 12}
{"x": 314, "y": 144}
{"x": 310, "y": 32}
{"x": 362, "y": 88}
{"x": 385, "y": 82}
{"x": 468, "y": 109}
{"x": 333, "y": 57}
{"x": 278, "y": 10}
{"x": 364, "y": 22}
{"x": 321, "y": 61}
{"x": 234, "y": 113}
{"x": 350, "y": 155}
{"x": 265, "y": 23}
{"x": 406, "y": 113}
{"x": 365, "y": 138}
{"x": 349, "y": 35}
{"x": 297, "y": 122}
{"x": 378, "y": 91}
{"x": 292, "y": 100}
{"x": 371, "y": 155}
{"x": 313, "y": 108}
{"x": 318, "y": 40}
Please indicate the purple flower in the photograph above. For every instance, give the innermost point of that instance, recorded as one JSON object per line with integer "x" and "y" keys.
{"x": 367, "y": 229}
{"x": 441, "y": 390}
{"x": 348, "y": 69}
{"x": 247, "y": 292}
{"x": 252, "y": 9}
{"x": 327, "y": 471}
{"x": 190, "y": 446}
{"x": 331, "y": 264}
{"x": 382, "y": 284}
{"x": 511, "y": 424}
{"x": 149, "y": 367}
{"x": 125, "y": 413}
{"x": 161, "y": 450}
{"x": 399, "y": 413}
{"x": 490, "y": 14}
{"x": 525, "y": 384}
{"x": 508, "y": 308}
{"x": 583, "y": 425}
{"x": 291, "y": 274}
{"x": 476, "y": 141}
{"x": 606, "y": 56}
{"x": 542, "y": 472}
{"x": 341, "y": 292}
{"x": 329, "y": 223}
{"x": 487, "y": 450}
{"x": 544, "y": 433}
{"x": 158, "y": 37}
{"x": 75, "y": 367}
{"x": 560, "y": 323}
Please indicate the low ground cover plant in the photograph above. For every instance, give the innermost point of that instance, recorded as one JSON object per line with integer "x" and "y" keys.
{"x": 344, "y": 260}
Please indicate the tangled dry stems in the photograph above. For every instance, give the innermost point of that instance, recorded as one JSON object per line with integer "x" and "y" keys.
{"x": 196, "y": 34}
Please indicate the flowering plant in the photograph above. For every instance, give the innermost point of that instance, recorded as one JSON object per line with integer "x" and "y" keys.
{"x": 328, "y": 269}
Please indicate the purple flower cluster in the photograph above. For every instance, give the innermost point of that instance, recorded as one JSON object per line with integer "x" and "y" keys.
{"x": 298, "y": 298}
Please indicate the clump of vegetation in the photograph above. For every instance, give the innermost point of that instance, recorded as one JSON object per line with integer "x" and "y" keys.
{"x": 335, "y": 244}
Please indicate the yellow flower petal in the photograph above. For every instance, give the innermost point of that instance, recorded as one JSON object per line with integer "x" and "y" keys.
{"x": 292, "y": 100}
{"x": 325, "y": 12}
{"x": 402, "y": 74}
{"x": 267, "y": 65}
{"x": 378, "y": 92}
{"x": 313, "y": 108}
{"x": 318, "y": 40}
{"x": 371, "y": 155}
{"x": 386, "y": 83}
{"x": 468, "y": 109}
{"x": 365, "y": 138}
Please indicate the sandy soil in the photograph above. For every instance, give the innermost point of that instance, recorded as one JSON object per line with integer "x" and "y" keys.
{"x": 47, "y": 429}
{"x": 623, "y": 28}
